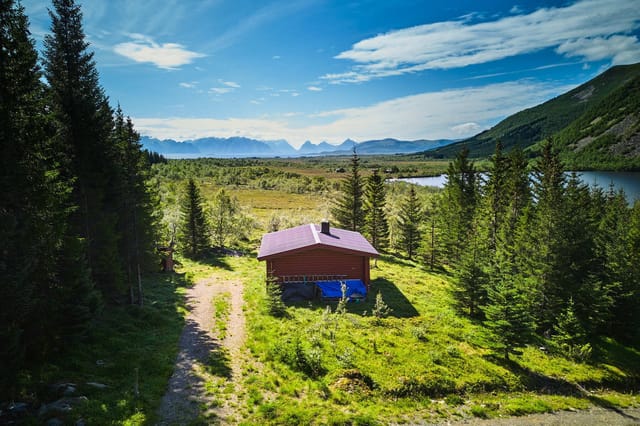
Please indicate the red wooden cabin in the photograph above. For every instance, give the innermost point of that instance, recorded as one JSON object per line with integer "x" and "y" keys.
{"x": 313, "y": 253}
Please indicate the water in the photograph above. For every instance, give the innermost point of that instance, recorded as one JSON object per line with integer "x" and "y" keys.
{"x": 628, "y": 181}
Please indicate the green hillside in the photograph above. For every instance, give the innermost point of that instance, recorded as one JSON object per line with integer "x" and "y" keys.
{"x": 607, "y": 136}
{"x": 532, "y": 125}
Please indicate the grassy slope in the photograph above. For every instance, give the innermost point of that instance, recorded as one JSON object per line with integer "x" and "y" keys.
{"x": 532, "y": 125}
{"x": 123, "y": 339}
{"x": 426, "y": 361}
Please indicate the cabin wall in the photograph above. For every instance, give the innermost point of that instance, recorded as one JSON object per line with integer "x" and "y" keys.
{"x": 320, "y": 262}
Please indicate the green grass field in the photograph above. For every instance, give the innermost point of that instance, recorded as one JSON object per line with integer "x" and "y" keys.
{"x": 424, "y": 362}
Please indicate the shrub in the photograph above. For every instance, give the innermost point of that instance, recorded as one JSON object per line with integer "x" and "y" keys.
{"x": 275, "y": 305}
{"x": 380, "y": 309}
{"x": 306, "y": 360}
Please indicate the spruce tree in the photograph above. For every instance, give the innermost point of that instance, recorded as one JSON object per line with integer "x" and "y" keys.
{"x": 546, "y": 232}
{"x": 35, "y": 312}
{"x": 376, "y": 225}
{"x": 348, "y": 208}
{"x": 84, "y": 124}
{"x": 616, "y": 255}
{"x": 194, "y": 230}
{"x": 137, "y": 221}
{"x": 508, "y": 318}
{"x": 409, "y": 222}
{"x": 458, "y": 206}
{"x": 495, "y": 196}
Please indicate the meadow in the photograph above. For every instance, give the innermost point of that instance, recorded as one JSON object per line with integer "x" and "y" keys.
{"x": 421, "y": 362}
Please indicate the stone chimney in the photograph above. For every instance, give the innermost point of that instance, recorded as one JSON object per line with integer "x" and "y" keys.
{"x": 324, "y": 227}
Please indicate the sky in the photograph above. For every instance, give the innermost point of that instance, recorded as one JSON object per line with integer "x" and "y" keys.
{"x": 328, "y": 70}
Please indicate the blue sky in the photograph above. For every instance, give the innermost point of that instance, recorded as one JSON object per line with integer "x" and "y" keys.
{"x": 325, "y": 70}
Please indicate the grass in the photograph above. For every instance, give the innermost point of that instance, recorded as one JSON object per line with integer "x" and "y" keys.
{"x": 122, "y": 340}
{"x": 222, "y": 308}
{"x": 423, "y": 363}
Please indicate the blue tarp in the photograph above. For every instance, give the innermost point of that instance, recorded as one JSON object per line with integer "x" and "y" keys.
{"x": 333, "y": 289}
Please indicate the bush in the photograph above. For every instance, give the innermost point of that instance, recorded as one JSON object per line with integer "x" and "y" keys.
{"x": 300, "y": 358}
{"x": 380, "y": 309}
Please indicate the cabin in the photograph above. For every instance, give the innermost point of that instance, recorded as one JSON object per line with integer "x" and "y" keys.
{"x": 316, "y": 260}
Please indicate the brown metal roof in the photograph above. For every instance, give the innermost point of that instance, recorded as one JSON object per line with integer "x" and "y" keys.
{"x": 309, "y": 236}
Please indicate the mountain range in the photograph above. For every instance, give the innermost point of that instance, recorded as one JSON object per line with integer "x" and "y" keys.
{"x": 239, "y": 147}
{"x": 594, "y": 126}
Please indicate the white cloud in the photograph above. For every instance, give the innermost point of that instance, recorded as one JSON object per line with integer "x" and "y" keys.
{"x": 314, "y": 89}
{"x": 452, "y": 113}
{"x": 165, "y": 56}
{"x": 459, "y": 43}
{"x": 620, "y": 49}
{"x": 186, "y": 85}
{"x": 231, "y": 84}
{"x": 466, "y": 129}
{"x": 220, "y": 90}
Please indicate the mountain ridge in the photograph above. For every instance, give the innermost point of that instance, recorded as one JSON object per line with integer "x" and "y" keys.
{"x": 240, "y": 147}
{"x": 527, "y": 128}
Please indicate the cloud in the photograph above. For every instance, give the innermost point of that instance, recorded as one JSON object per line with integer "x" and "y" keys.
{"x": 227, "y": 87}
{"x": 464, "y": 42}
{"x": 314, "y": 89}
{"x": 466, "y": 129}
{"x": 220, "y": 90}
{"x": 231, "y": 84}
{"x": 191, "y": 85}
{"x": 620, "y": 49}
{"x": 454, "y": 113}
{"x": 166, "y": 56}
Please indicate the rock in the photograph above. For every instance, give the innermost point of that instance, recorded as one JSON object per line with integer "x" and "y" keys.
{"x": 63, "y": 389}
{"x": 17, "y": 408}
{"x": 81, "y": 422}
{"x": 61, "y": 406}
{"x": 97, "y": 385}
{"x": 54, "y": 421}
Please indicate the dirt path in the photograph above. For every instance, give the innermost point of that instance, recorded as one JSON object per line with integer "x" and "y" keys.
{"x": 203, "y": 357}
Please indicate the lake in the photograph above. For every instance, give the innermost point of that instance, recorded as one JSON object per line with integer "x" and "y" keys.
{"x": 628, "y": 181}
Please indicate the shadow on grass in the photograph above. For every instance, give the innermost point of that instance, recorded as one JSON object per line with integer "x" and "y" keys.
{"x": 541, "y": 383}
{"x": 393, "y": 297}
{"x": 215, "y": 258}
{"x": 198, "y": 346}
{"x": 391, "y": 294}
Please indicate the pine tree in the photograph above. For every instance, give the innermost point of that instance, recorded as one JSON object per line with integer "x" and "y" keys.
{"x": 409, "y": 223}
{"x": 194, "y": 229}
{"x": 495, "y": 197}
{"x": 376, "y": 225}
{"x": 137, "y": 220}
{"x": 458, "y": 206}
{"x": 348, "y": 209}
{"x": 546, "y": 232}
{"x": 84, "y": 124}
{"x": 508, "y": 318}
{"x": 34, "y": 211}
{"x": 616, "y": 258}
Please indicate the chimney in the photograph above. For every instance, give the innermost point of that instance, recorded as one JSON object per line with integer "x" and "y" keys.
{"x": 324, "y": 227}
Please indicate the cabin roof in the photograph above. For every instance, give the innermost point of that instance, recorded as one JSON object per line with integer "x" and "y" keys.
{"x": 309, "y": 236}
